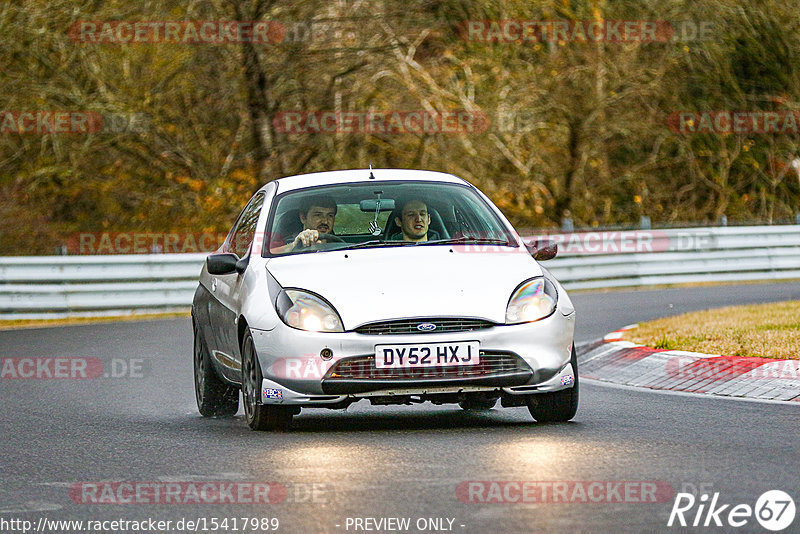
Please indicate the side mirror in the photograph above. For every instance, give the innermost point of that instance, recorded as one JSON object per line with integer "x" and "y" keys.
{"x": 225, "y": 264}
{"x": 543, "y": 250}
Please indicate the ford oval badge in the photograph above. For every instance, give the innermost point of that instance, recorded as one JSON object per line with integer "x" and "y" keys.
{"x": 426, "y": 327}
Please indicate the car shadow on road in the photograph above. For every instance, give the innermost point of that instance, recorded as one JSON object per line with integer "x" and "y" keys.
{"x": 432, "y": 419}
{"x": 399, "y": 419}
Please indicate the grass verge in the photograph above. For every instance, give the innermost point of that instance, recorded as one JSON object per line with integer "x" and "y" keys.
{"x": 763, "y": 330}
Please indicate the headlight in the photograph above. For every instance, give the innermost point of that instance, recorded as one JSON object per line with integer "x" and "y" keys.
{"x": 306, "y": 311}
{"x": 533, "y": 300}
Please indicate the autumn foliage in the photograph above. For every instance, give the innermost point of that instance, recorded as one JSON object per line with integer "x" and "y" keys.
{"x": 577, "y": 118}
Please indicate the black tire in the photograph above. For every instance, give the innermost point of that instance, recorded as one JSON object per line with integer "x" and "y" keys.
{"x": 558, "y": 406}
{"x": 476, "y": 404}
{"x": 214, "y": 397}
{"x": 259, "y": 416}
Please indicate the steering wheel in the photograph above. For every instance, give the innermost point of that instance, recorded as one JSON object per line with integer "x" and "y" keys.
{"x": 323, "y": 236}
{"x": 330, "y": 237}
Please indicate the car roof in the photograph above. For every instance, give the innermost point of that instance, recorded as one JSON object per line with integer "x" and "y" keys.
{"x": 361, "y": 175}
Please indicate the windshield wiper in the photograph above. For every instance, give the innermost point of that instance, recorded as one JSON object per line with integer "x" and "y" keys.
{"x": 469, "y": 240}
{"x": 458, "y": 240}
{"x": 374, "y": 243}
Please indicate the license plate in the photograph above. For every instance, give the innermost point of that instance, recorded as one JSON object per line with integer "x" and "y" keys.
{"x": 427, "y": 355}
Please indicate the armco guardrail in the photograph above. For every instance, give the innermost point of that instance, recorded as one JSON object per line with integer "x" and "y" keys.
{"x": 43, "y": 287}
{"x": 60, "y": 286}
{"x": 592, "y": 260}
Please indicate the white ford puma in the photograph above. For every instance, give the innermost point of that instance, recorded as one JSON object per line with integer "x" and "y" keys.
{"x": 389, "y": 285}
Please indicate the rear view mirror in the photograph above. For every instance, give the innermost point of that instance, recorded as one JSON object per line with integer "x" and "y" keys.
{"x": 369, "y": 205}
{"x": 542, "y": 249}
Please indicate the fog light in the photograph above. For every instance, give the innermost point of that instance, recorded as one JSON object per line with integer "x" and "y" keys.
{"x": 326, "y": 354}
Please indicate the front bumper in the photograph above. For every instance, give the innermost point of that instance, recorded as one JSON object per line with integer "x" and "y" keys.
{"x": 290, "y": 397}
{"x": 295, "y": 373}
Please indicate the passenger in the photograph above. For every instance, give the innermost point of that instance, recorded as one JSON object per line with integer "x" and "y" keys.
{"x": 414, "y": 221}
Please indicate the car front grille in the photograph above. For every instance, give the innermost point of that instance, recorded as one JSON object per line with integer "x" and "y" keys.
{"x": 409, "y": 326}
{"x": 491, "y": 364}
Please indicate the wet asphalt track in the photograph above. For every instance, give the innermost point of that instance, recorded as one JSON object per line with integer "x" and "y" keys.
{"x": 381, "y": 461}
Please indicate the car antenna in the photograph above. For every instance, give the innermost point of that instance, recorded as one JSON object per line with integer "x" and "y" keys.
{"x": 371, "y": 176}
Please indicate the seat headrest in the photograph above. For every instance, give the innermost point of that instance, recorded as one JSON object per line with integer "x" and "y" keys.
{"x": 288, "y": 225}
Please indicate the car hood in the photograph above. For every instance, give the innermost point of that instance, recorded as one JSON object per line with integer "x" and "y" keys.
{"x": 371, "y": 285}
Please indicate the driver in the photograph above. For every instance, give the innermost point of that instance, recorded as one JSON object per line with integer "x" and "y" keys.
{"x": 318, "y": 214}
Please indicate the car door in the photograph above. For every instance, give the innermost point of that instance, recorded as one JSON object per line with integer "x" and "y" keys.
{"x": 225, "y": 290}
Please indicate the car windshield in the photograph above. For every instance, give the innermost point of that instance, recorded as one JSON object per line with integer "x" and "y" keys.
{"x": 381, "y": 214}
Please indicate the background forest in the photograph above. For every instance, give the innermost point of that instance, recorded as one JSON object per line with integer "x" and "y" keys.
{"x": 577, "y": 129}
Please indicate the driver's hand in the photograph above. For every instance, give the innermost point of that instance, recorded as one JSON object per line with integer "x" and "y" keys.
{"x": 307, "y": 238}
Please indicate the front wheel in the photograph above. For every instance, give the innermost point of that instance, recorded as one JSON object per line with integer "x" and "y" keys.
{"x": 558, "y": 406}
{"x": 214, "y": 397}
{"x": 259, "y": 416}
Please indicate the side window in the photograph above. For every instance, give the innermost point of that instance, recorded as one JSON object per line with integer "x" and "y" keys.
{"x": 245, "y": 229}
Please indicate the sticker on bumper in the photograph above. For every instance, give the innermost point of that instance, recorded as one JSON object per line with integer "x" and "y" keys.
{"x": 271, "y": 393}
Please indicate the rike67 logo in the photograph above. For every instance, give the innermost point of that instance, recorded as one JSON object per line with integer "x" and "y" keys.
{"x": 774, "y": 510}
